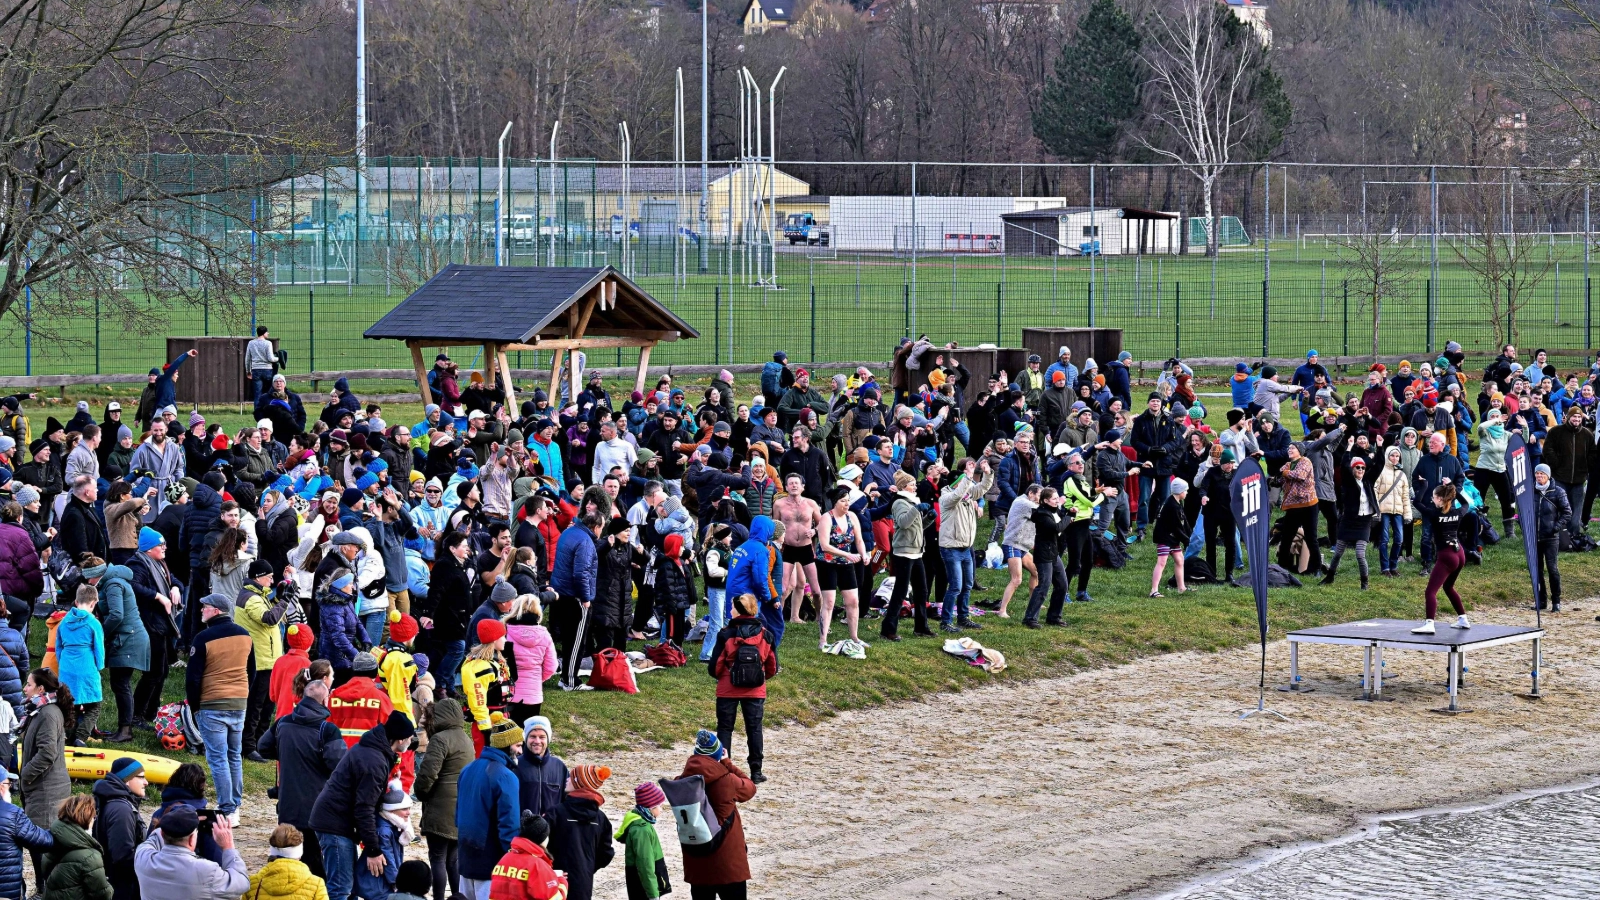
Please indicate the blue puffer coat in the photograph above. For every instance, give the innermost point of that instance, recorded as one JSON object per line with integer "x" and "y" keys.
{"x": 81, "y": 651}
{"x": 127, "y": 643}
{"x": 13, "y": 666}
{"x": 205, "y": 510}
{"x": 17, "y": 832}
{"x": 341, "y": 636}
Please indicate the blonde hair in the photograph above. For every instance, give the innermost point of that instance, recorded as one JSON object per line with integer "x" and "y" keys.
{"x": 525, "y": 604}
{"x": 486, "y": 653}
{"x": 746, "y": 604}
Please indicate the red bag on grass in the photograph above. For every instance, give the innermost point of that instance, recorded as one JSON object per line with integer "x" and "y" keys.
{"x": 612, "y": 672}
{"x": 665, "y": 655}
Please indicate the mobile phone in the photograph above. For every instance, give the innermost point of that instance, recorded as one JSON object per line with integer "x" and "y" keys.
{"x": 208, "y": 818}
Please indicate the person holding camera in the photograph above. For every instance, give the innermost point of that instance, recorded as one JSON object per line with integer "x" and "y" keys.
{"x": 169, "y": 868}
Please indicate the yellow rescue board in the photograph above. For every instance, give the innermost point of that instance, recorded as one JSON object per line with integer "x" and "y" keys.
{"x": 91, "y": 765}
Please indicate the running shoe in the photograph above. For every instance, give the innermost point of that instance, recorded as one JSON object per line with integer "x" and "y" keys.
{"x": 1425, "y": 628}
{"x": 1461, "y": 622}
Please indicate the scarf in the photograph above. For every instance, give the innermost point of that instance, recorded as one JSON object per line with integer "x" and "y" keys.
{"x": 644, "y": 814}
{"x": 295, "y": 852}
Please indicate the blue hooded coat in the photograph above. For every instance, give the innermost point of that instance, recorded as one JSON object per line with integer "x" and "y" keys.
{"x": 81, "y": 651}
{"x": 750, "y": 572}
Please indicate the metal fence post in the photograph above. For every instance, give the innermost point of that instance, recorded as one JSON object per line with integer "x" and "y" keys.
{"x": 97, "y": 335}
{"x": 1265, "y": 329}
{"x": 1347, "y": 318}
{"x": 813, "y": 323}
{"x": 1511, "y": 315}
{"x": 906, "y": 305}
{"x": 311, "y": 329}
{"x": 1091, "y": 296}
{"x": 999, "y": 312}
{"x": 716, "y": 324}
{"x": 1177, "y": 319}
{"x": 1587, "y": 321}
{"x": 1431, "y": 313}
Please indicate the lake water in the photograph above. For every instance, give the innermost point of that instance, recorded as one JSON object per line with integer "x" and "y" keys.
{"x": 1536, "y": 847}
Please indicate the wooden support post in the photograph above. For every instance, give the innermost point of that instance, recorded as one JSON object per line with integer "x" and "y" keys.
{"x": 490, "y": 352}
{"x": 422, "y": 374}
{"x": 555, "y": 379}
{"x": 644, "y": 366}
{"x": 511, "y": 388}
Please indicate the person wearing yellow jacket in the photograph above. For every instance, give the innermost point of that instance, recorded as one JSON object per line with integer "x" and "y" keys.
{"x": 485, "y": 679}
{"x": 1081, "y": 502}
{"x": 397, "y": 670}
{"x": 285, "y": 877}
{"x": 259, "y": 609}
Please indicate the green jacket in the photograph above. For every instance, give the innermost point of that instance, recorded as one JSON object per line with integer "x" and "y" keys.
{"x": 1080, "y": 500}
{"x": 449, "y": 751}
{"x": 74, "y": 869}
{"x": 646, "y": 867}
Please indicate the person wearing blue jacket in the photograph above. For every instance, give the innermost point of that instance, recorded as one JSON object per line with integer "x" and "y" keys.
{"x": 1119, "y": 379}
{"x": 487, "y": 817}
{"x": 750, "y": 572}
{"x": 1243, "y": 385}
{"x": 13, "y": 667}
{"x": 165, "y": 386}
{"x": 81, "y": 654}
{"x": 573, "y": 578}
{"x": 16, "y": 832}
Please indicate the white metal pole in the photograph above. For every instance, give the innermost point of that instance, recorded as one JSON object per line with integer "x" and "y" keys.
{"x": 705, "y": 119}
{"x": 500, "y": 205}
{"x": 770, "y": 220}
{"x": 627, "y": 156}
{"x": 554, "y": 213}
{"x": 361, "y": 117}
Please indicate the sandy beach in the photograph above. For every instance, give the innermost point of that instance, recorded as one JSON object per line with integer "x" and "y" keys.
{"x": 1136, "y": 779}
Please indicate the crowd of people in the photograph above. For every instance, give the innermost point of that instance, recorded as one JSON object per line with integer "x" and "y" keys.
{"x": 379, "y": 607}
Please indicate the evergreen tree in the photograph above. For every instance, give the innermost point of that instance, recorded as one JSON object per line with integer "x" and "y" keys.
{"x": 1094, "y": 93}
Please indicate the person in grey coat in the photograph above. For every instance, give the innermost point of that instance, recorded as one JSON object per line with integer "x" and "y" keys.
{"x": 42, "y": 763}
{"x": 1320, "y": 452}
{"x": 169, "y": 869}
{"x": 163, "y": 458}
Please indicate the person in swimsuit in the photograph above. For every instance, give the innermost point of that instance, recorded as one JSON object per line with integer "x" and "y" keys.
{"x": 842, "y": 550}
{"x": 800, "y": 517}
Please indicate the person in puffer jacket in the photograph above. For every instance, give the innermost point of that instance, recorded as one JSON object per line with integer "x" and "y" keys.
{"x": 16, "y": 832}
{"x": 340, "y": 632}
{"x": 13, "y": 667}
{"x": 676, "y": 592}
{"x": 750, "y": 567}
{"x": 775, "y": 379}
{"x": 533, "y": 654}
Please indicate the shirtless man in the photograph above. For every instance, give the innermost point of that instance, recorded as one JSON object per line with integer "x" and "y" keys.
{"x": 800, "y": 516}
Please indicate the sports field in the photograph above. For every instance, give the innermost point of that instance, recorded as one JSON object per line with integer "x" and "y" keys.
{"x": 829, "y": 306}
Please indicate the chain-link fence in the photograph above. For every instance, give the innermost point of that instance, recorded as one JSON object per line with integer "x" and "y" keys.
{"x": 833, "y": 261}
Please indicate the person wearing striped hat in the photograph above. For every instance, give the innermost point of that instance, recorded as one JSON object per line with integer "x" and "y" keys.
{"x": 645, "y": 866}
{"x": 580, "y": 834}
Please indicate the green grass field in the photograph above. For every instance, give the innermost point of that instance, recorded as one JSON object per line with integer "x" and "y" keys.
{"x": 853, "y": 307}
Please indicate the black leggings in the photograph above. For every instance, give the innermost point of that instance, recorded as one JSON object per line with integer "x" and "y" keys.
{"x": 1080, "y": 554}
{"x": 122, "y": 689}
{"x": 908, "y": 574}
{"x": 1302, "y": 518}
{"x": 443, "y": 854}
{"x": 734, "y": 891}
{"x": 1549, "y": 588}
{"x": 1483, "y": 479}
{"x": 259, "y": 709}
{"x": 521, "y": 712}
{"x": 1330, "y": 511}
{"x": 147, "y": 696}
{"x": 753, "y": 708}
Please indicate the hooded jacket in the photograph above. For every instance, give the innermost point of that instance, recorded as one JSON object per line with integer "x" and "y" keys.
{"x": 487, "y": 818}
{"x": 576, "y": 562}
{"x": 348, "y": 803}
{"x": 646, "y": 874}
{"x": 308, "y": 749}
{"x": 613, "y": 600}
{"x": 726, "y": 787}
{"x": 439, "y": 774}
{"x": 43, "y": 768}
{"x": 120, "y": 830}
{"x": 74, "y": 868}
{"x": 580, "y": 842}
{"x": 21, "y": 574}
{"x": 286, "y": 879}
{"x": 17, "y": 832}
{"x": 750, "y": 567}
{"x": 81, "y": 654}
{"x": 127, "y": 644}
{"x": 203, "y": 514}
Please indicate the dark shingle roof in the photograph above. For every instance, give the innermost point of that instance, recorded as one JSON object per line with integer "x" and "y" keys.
{"x": 510, "y": 304}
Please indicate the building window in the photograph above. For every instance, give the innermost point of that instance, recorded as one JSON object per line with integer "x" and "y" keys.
{"x": 1091, "y": 231}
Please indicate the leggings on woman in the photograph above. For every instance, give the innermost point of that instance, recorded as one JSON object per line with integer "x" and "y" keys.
{"x": 1446, "y": 566}
{"x": 443, "y": 854}
{"x": 1361, "y": 557}
{"x": 1483, "y": 479}
{"x": 908, "y": 576}
{"x": 1080, "y": 554}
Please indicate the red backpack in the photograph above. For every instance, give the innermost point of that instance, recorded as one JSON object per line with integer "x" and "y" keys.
{"x": 665, "y": 654}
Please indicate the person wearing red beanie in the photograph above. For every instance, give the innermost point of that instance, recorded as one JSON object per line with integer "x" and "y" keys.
{"x": 676, "y": 592}
{"x": 485, "y": 678}
{"x": 299, "y": 639}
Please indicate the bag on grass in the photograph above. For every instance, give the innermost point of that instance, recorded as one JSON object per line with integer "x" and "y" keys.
{"x": 611, "y": 672}
{"x": 1195, "y": 571}
{"x": 699, "y": 832}
{"x": 1278, "y": 576}
{"x": 176, "y": 729}
{"x": 1110, "y": 552}
{"x": 665, "y": 655}
{"x": 994, "y": 557}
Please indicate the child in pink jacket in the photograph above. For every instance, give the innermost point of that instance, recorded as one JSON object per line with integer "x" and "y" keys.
{"x": 533, "y": 654}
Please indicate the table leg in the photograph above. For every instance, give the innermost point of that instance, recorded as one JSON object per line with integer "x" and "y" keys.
{"x": 1452, "y": 661}
{"x": 1366, "y": 672}
{"x": 1377, "y": 674}
{"x": 1536, "y": 661}
{"x": 1294, "y": 663}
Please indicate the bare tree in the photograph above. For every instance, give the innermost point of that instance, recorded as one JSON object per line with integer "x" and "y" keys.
{"x": 1507, "y": 264}
{"x": 1204, "y": 79}
{"x": 1375, "y": 266}
{"x": 89, "y": 212}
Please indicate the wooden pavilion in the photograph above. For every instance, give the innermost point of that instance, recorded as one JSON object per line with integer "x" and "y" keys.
{"x": 508, "y": 308}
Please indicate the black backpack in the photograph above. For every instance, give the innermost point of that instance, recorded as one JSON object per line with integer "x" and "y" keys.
{"x": 1109, "y": 551}
{"x": 746, "y": 670}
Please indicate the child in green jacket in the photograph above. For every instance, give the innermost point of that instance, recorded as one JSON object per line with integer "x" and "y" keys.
{"x": 646, "y": 867}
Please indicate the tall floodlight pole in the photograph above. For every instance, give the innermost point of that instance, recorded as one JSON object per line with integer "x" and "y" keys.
{"x": 554, "y": 211}
{"x": 361, "y": 116}
{"x": 500, "y": 205}
{"x": 705, "y": 119}
{"x": 772, "y": 169}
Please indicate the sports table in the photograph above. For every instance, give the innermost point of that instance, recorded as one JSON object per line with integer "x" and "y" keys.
{"x": 1373, "y": 635}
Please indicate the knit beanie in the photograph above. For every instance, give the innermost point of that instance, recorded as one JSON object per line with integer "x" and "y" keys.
{"x": 504, "y": 733}
{"x": 543, "y": 724}
{"x": 502, "y": 592}
{"x": 402, "y": 627}
{"x": 588, "y": 778}
{"x": 395, "y": 797}
{"x": 422, "y": 661}
{"x": 300, "y": 637}
{"x": 149, "y": 539}
{"x": 649, "y": 795}
{"x": 398, "y": 727}
{"x": 27, "y": 494}
{"x": 707, "y": 744}
{"x": 366, "y": 481}
{"x": 364, "y": 663}
{"x": 490, "y": 630}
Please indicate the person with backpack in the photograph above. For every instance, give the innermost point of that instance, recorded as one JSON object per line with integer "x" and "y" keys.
{"x": 580, "y": 834}
{"x": 721, "y": 871}
{"x": 743, "y": 660}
